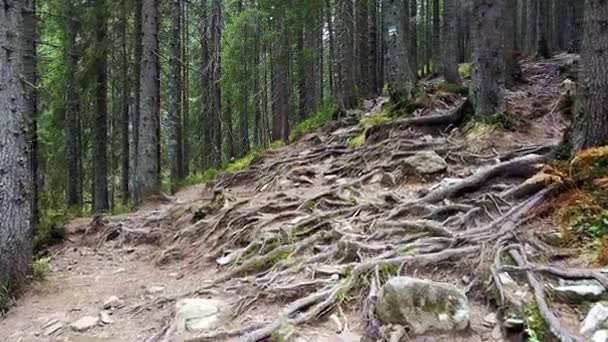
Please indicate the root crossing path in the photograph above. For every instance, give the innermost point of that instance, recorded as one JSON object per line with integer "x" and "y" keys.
{"x": 296, "y": 246}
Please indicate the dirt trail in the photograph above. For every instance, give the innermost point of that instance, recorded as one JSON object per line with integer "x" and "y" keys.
{"x": 307, "y": 222}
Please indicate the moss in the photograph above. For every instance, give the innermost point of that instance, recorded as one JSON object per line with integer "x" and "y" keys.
{"x": 316, "y": 121}
{"x": 453, "y": 88}
{"x": 266, "y": 261}
{"x": 357, "y": 141}
{"x": 244, "y": 162}
{"x": 465, "y": 70}
{"x": 536, "y": 326}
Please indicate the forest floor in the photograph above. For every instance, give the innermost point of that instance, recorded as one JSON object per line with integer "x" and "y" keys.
{"x": 296, "y": 240}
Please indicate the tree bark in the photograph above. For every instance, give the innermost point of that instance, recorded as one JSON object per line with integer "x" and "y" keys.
{"x": 72, "y": 107}
{"x": 100, "y": 150}
{"x": 175, "y": 97}
{"x": 591, "y": 121}
{"x": 16, "y": 190}
{"x": 512, "y": 71}
{"x": 542, "y": 39}
{"x": 398, "y": 73}
{"x": 125, "y": 157}
{"x": 487, "y": 82}
{"x": 450, "y": 51}
{"x": 215, "y": 91}
{"x": 345, "y": 82}
{"x": 280, "y": 84}
{"x": 148, "y": 163}
{"x": 436, "y": 55}
{"x": 135, "y": 118}
{"x": 362, "y": 46}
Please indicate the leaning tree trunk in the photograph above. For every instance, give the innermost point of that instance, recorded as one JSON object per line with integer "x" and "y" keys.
{"x": 147, "y": 174}
{"x": 486, "y": 89}
{"x": 591, "y": 121}
{"x": 345, "y": 85}
{"x": 16, "y": 179}
{"x": 450, "y": 50}
{"x": 398, "y": 72}
{"x": 100, "y": 150}
{"x": 175, "y": 97}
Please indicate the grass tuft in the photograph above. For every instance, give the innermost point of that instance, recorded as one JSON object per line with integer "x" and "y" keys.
{"x": 41, "y": 268}
{"x": 320, "y": 119}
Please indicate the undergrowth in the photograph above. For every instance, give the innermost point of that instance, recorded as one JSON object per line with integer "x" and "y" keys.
{"x": 318, "y": 120}
{"x": 41, "y": 268}
{"x": 465, "y": 70}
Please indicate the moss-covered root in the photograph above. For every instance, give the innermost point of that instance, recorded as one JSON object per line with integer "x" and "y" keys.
{"x": 259, "y": 263}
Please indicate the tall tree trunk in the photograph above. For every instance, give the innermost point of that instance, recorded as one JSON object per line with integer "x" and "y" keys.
{"x": 398, "y": 73}
{"x": 16, "y": 190}
{"x": 100, "y": 155}
{"x": 532, "y": 25}
{"x": 374, "y": 45}
{"x": 345, "y": 85}
{"x": 124, "y": 179}
{"x": 436, "y": 55}
{"x": 362, "y": 45}
{"x": 207, "y": 127}
{"x": 542, "y": 39}
{"x": 280, "y": 84}
{"x": 413, "y": 48}
{"x": 512, "y": 71}
{"x": 591, "y": 121}
{"x": 148, "y": 163}
{"x": 135, "y": 119}
{"x": 72, "y": 107}
{"x": 332, "y": 48}
{"x": 450, "y": 51}
{"x": 175, "y": 97}
{"x": 487, "y": 83}
{"x": 215, "y": 92}
{"x": 185, "y": 89}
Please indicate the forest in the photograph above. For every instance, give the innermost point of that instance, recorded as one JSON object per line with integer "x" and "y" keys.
{"x": 304, "y": 170}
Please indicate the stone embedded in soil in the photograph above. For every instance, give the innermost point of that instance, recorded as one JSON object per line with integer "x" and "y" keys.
{"x": 600, "y": 336}
{"x": 85, "y": 323}
{"x": 426, "y": 162}
{"x": 579, "y": 292}
{"x": 423, "y": 305}
{"x": 196, "y": 315}
{"x": 113, "y": 302}
{"x": 52, "y": 327}
{"x": 597, "y": 319}
{"x": 155, "y": 289}
{"x": 347, "y": 337}
{"x": 490, "y": 319}
{"x": 104, "y": 318}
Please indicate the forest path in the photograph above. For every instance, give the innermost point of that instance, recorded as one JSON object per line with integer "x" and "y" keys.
{"x": 304, "y": 224}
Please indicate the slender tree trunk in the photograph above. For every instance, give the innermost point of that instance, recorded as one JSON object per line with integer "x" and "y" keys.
{"x": 135, "y": 123}
{"x": 450, "y": 51}
{"x": 362, "y": 44}
{"x": 206, "y": 128}
{"x": 487, "y": 83}
{"x": 413, "y": 49}
{"x": 124, "y": 179}
{"x": 72, "y": 107}
{"x": 591, "y": 121}
{"x": 345, "y": 85}
{"x": 175, "y": 97}
{"x": 512, "y": 71}
{"x": 186, "y": 89}
{"x": 436, "y": 54}
{"x": 280, "y": 84}
{"x": 100, "y": 156}
{"x": 398, "y": 73}
{"x": 148, "y": 162}
{"x": 332, "y": 48}
{"x": 374, "y": 45}
{"x": 542, "y": 39}
{"x": 532, "y": 25}
{"x": 215, "y": 92}
{"x": 16, "y": 180}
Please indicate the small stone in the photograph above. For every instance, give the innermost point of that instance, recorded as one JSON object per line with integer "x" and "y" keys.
{"x": 335, "y": 277}
{"x": 104, "y": 318}
{"x": 466, "y": 280}
{"x": 113, "y": 302}
{"x": 426, "y": 162}
{"x": 514, "y": 323}
{"x": 85, "y": 323}
{"x": 490, "y": 319}
{"x": 600, "y": 336}
{"x": 155, "y": 289}
{"x": 596, "y": 319}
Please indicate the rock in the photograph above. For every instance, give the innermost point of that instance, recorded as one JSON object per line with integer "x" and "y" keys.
{"x": 423, "y": 305}
{"x": 600, "y": 336}
{"x": 85, "y": 323}
{"x": 154, "y": 289}
{"x": 580, "y": 292}
{"x": 426, "y": 162}
{"x": 514, "y": 323}
{"x": 113, "y": 302}
{"x": 490, "y": 319}
{"x": 104, "y": 318}
{"x": 516, "y": 294}
{"x": 197, "y": 315}
{"x": 347, "y": 337}
{"x": 596, "y": 319}
{"x": 497, "y": 333}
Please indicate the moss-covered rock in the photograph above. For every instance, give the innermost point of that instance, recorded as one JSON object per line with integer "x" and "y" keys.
{"x": 423, "y": 305}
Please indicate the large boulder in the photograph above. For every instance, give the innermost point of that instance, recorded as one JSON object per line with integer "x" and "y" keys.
{"x": 426, "y": 162}
{"x": 423, "y": 305}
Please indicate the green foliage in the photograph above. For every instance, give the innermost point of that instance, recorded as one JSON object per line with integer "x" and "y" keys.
{"x": 242, "y": 163}
{"x": 322, "y": 117}
{"x": 198, "y": 178}
{"x": 465, "y": 70}
{"x": 588, "y": 224}
{"x": 50, "y": 228}
{"x": 357, "y": 141}
{"x": 536, "y": 325}
{"x": 453, "y": 88}
{"x": 41, "y": 268}
{"x": 507, "y": 121}
{"x": 6, "y": 299}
